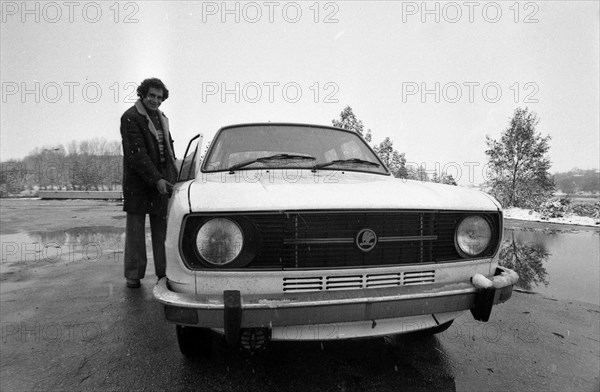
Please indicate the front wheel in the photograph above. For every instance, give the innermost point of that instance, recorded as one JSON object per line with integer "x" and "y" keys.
{"x": 194, "y": 342}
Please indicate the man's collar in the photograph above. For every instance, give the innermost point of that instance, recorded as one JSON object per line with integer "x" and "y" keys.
{"x": 142, "y": 109}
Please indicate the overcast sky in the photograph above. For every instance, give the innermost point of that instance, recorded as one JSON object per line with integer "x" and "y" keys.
{"x": 435, "y": 79}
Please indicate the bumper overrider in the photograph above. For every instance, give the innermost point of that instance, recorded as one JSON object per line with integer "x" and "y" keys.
{"x": 233, "y": 311}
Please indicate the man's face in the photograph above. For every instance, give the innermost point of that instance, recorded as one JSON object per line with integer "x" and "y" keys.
{"x": 153, "y": 99}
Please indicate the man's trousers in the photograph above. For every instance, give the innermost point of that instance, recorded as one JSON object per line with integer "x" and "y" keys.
{"x": 135, "y": 244}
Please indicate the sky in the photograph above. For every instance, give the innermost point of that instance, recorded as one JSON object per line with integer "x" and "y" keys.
{"x": 435, "y": 77}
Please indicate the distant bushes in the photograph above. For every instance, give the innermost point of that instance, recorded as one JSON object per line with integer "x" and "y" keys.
{"x": 578, "y": 180}
{"x": 557, "y": 208}
{"x": 590, "y": 209}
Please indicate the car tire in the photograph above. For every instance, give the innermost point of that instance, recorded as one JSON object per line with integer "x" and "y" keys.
{"x": 194, "y": 342}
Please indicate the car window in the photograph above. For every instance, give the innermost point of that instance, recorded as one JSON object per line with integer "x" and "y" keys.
{"x": 352, "y": 150}
{"x": 239, "y": 144}
{"x": 331, "y": 155}
{"x": 187, "y": 170}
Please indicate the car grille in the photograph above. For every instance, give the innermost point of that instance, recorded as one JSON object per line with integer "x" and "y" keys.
{"x": 359, "y": 281}
{"x": 305, "y": 239}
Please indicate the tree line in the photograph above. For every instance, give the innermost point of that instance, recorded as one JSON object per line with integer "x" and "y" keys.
{"x": 518, "y": 164}
{"x": 392, "y": 158}
{"x": 94, "y": 164}
{"x": 578, "y": 180}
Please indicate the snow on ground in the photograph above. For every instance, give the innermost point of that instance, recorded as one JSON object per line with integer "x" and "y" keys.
{"x": 530, "y": 215}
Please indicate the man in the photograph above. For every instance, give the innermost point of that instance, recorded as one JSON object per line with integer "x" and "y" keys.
{"x": 149, "y": 172}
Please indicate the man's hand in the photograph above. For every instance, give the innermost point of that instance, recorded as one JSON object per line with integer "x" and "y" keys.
{"x": 164, "y": 187}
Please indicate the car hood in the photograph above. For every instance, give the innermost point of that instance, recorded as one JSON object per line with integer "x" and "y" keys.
{"x": 277, "y": 190}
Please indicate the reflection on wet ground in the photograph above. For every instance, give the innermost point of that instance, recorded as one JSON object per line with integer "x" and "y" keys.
{"x": 63, "y": 246}
{"x": 560, "y": 263}
{"x": 527, "y": 259}
{"x": 402, "y": 362}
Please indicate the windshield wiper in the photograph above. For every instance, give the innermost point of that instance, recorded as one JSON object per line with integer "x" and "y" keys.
{"x": 343, "y": 161}
{"x": 271, "y": 158}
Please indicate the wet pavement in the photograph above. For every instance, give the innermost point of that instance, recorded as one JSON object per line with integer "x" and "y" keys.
{"x": 69, "y": 323}
{"x": 562, "y": 262}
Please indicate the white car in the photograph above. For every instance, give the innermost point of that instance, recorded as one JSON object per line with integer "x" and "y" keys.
{"x": 300, "y": 232}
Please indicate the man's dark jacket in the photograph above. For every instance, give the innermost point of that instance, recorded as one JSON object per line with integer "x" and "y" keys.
{"x": 142, "y": 168}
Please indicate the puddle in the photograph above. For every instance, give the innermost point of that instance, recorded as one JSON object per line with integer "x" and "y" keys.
{"x": 59, "y": 247}
{"x": 558, "y": 263}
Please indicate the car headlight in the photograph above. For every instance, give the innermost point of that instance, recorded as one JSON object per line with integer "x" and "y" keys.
{"x": 219, "y": 241}
{"x": 473, "y": 236}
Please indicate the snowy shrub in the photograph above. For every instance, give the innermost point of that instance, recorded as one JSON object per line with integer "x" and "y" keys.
{"x": 555, "y": 208}
{"x": 590, "y": 209}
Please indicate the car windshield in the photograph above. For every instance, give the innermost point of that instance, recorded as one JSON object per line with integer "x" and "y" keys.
{"x": 277, "y": 146}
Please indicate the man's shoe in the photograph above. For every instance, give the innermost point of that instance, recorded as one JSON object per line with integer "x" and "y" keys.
{"x": 133, "y": 283}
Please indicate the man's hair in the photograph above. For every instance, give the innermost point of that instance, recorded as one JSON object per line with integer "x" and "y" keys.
{"x": 143, "y": 88}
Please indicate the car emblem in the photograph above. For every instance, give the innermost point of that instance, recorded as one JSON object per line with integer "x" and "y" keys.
{"x": 366, "y": 239}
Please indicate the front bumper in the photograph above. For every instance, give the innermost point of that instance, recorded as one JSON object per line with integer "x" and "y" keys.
{"x": 233, "y": 311}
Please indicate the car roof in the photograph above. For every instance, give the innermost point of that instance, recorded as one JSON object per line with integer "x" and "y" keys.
{"x": 284, "y": 124}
